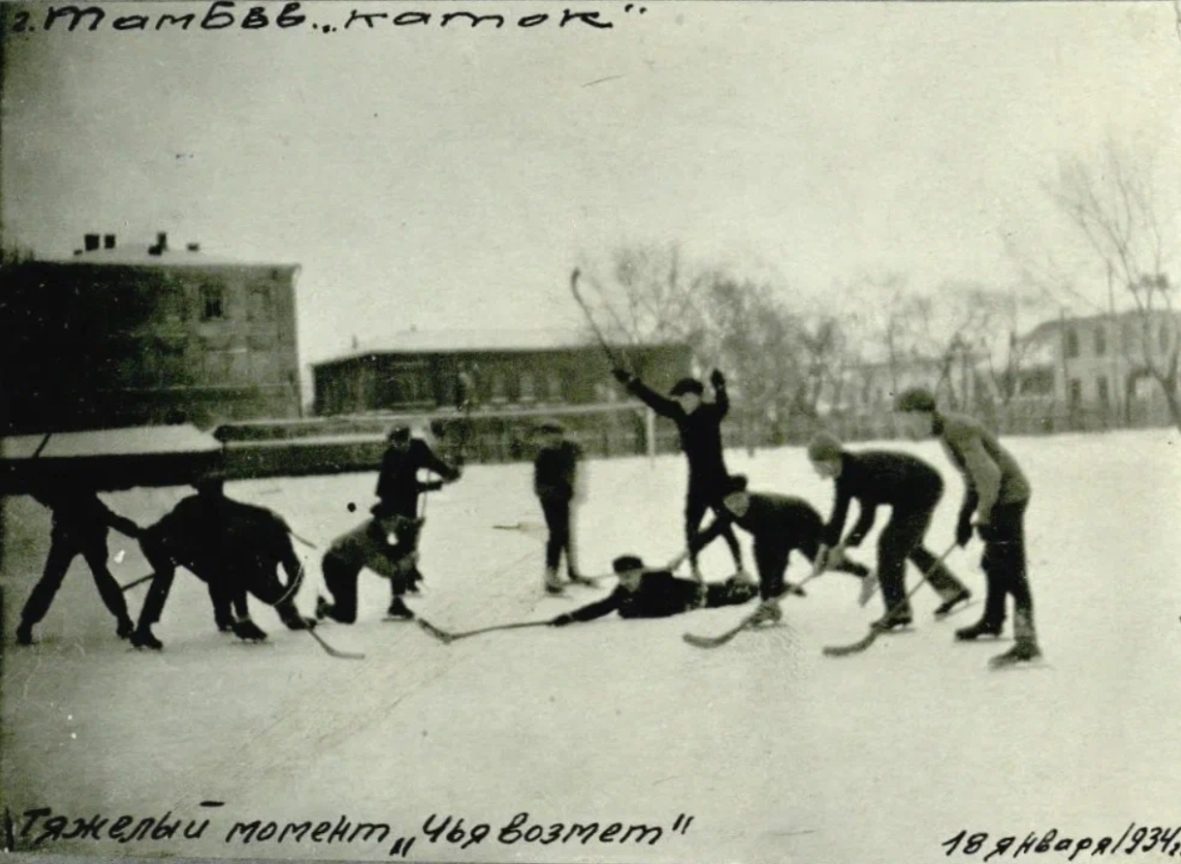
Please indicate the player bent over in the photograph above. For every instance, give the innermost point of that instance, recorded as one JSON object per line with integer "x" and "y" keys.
{"x": 998, "y": 493}
{"x": 911, "y": 489}
{"x": 649, "y": 593}
{"x": 779, "y": 524}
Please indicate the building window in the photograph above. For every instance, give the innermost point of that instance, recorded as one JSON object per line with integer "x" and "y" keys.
{"x": 1101, "y": 390}
{"x": 212, "y": 302}
{"x": 499, "y": 387}
{"x": 1076, "y": 392}
{"x": 527, "y": 387}
{"x": 1071, "y": 343}
{"x": 258, "y": 299}
{"x": 554, "y": 386}
{"x": 1101, "y": 341}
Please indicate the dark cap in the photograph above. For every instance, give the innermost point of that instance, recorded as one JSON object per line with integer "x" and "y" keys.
{"x": 735, "y": 483}
{"x": 824, "y": 447}
{"x": 915, "y": 399}
{"x": 401, "y": 432}
{"x": 627, "y": 562}
{"x": 687, "y": 385}
{"x": 551, "y": 426}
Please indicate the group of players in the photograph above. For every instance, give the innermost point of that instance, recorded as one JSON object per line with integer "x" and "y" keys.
{"x": 238, "y": 548}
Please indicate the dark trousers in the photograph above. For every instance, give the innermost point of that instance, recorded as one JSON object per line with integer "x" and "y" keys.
{"x": 561, "y": 539}
{"x": 728, "y": 593}
{"x": 1004, "y": 569}
{"x": 366, "y": 546}
{"x": 771, "y": 558}
{"x": 702, "y": 497}
{"x": 62, "y": 551}
{"x": 901, "y": 541}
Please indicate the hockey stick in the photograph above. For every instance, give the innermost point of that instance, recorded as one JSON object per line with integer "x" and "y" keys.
{"x": 874, "y": 630}
{"x": 334, "y": 652}
{"x": 134, "y": 582}
{"x": 447, "y": 638}
{"x": 307, "y": 543}
{"x": 530, "y": 529}
{"x": 590, "y": 319}
{"x": 745, "y": 623}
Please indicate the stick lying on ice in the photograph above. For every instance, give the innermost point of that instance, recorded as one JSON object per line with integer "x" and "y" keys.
{"x": 335, "y": 652}
{"x": 716, "y": 641}
{"x": 530, "y": 529}
{"x": 447, "y": 638}
{"x": 874, "y": 629}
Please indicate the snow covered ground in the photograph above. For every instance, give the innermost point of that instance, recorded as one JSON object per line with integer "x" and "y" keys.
{"x": 778, "y": 753}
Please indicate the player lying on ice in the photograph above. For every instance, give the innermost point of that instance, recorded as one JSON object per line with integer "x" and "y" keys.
{"x": 233, "y": 547}
{"x": 650, "y": 593}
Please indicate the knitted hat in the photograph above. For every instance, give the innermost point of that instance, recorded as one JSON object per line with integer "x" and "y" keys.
{"x": 915, "y": 399}
{"x": 824, "y": 448}
{"x": 551, "y": 426}
{"x": 627, "y": 562}
{"x": 687, "y": 385}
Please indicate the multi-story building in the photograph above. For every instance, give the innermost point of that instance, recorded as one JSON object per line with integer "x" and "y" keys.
{"x": 132, "y": 335}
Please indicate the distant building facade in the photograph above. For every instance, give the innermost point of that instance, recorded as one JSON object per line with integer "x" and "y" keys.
{"x": 125, "y": 336}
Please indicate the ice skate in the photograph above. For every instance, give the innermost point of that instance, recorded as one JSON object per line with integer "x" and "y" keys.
{"x": 124, "y": 628}
{"x": 981, "y": 628}
{"x": 248, "y": 631}
{"x": 1022, "y": 652}
{"x": 891, "y": 623}
{"x": 398, "y": 611}
{"x": 142, "y": 637}
{"x": 950, "y": 603}
{"x": 767, "y": 613}
{"x": 24, "y": 634}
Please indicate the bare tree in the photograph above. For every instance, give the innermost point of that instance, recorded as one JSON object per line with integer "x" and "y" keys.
{"x": 1113, "y": 205}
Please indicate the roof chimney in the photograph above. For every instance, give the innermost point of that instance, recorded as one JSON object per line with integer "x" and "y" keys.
{"x": 108, "y": 241}
{"x": 91, "y": 241}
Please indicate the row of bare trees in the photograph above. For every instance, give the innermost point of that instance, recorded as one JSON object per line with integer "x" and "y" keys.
{"x": 789, "y": 360}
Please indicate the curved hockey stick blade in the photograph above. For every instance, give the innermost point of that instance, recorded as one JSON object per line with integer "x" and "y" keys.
{"x": 442, "y": 635}
{"x": 333, "y": 652}
{"x": 855, "y": 648}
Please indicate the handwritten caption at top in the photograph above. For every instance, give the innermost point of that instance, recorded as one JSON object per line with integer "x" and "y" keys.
{"x": 40, "y": 826}
{"x": 1142, "y": 839}
{"x": 321, "y": 17}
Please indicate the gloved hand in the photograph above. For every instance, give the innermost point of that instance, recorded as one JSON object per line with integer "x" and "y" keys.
{"x": 963, "y": 532}
{"x": 987, "y": 531}
{"x": 623, "y": 376}
{"x": 717, "y": 379}
{"x": 562, "y": 620}
{"x": 432, "y": 486}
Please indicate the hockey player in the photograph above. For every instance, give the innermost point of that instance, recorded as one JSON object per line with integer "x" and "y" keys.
{"x": 645, "y": 593}
{"x": 699, "y": 425}
{"x": 395, "y": 516}
{"x": 998, "y": 493}
{"x": 911, "y": 489}
{"x": 234, "y": 548}
{"x": 80, "y": 526}
{"x": 778, "y": 524}
{"x": 556, "y": 482}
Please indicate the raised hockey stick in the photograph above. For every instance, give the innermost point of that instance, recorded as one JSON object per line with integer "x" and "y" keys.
{"x": 447, "y": 638}
{"x": 335, "y": 652}
{"x": 874, "y": 630}
{"x": 745, "y": 623}
{"x": 614, "y": 361}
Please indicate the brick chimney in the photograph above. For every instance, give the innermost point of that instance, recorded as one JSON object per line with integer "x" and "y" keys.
{"x": 108, "y": 241}
{"x": 91, "y": 241}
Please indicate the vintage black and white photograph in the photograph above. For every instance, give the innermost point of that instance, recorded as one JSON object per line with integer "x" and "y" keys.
{"x": 642, "y": 431}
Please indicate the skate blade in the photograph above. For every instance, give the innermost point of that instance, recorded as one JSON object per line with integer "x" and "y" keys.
{"x": 957, "y": 610}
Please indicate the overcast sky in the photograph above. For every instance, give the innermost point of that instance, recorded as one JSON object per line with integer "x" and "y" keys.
{"x": 450, "y": 178}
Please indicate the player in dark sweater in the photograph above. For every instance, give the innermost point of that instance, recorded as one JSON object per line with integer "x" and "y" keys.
{"x": 80, "y": 526}
{"x": 699, "y": 424}
{"x": 395, "y": 515}
{"x": 556, "y": 484}
{"x": 645, "y": 593}
{"x": 912, "y": 489}
{"x": 779, "y": 524}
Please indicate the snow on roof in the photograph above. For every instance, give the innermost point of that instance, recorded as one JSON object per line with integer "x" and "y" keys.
{"x": 137, "y": 440}
{"x": 137, "y": 255}
{"x": 451, "y": 341}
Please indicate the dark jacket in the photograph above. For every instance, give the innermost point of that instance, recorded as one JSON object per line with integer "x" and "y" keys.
{"x": 771, "y": 519}
{"x": 397, "y": 482}
{"x": 701, "y": 431}
{"x": 555, "y": 471}
{"x": 80, "y": 516}
{"x": 659, "y": 595}
{"x": 876, "y": 477}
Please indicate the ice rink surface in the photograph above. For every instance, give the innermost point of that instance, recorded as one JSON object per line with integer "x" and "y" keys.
{"x": 778, "y": 753}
